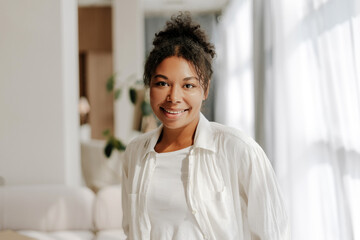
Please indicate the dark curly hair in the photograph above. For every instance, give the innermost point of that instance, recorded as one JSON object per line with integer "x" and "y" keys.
{"x": 182, "y": 38}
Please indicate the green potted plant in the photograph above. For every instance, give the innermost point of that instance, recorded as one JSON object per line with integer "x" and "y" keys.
{"x": 112, "y": 87}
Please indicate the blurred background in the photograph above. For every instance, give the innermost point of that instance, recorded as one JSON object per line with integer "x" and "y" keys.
{"x": 286, "y": 73}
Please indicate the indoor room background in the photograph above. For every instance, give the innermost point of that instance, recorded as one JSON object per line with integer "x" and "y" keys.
{"x": 286, "y": 73}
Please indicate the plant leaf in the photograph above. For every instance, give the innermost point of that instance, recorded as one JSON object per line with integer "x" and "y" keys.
{"x": 110, "y": 83}
{"x": 146, "y": 108}
{"x": 133, "y": 96}
{"x": 117, "y": 93}
{"x": 119, "y": 145}
{"x": 108, "y": 149}
{"x": 106, "y": 132}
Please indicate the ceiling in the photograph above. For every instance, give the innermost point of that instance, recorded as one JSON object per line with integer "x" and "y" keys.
{"x": 161, "y": 7}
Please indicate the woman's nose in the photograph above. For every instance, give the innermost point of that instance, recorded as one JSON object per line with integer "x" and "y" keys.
{"x": 174, "y": 95}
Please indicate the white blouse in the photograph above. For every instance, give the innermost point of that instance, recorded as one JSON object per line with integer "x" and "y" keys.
{"x": 170, "y": 216}
{"x": 232, "y": 190}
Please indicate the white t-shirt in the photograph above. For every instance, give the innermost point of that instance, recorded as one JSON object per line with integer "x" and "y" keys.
{"x": 170, "y": 215}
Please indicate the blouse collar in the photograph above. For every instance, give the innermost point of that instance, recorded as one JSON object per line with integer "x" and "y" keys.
{"x": 204, "y": 137}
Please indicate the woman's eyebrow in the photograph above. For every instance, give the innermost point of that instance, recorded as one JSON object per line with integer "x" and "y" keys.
{"x": 166, "y": 78}
{"x": 160, "y": 76}
{"x": 190, "y": 78}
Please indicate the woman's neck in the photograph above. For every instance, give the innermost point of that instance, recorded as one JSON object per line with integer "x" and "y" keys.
{"x": 175, "y": 139}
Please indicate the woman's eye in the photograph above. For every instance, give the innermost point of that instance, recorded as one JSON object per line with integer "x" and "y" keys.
{"x": 161, "y": 84}
{"x": 189, "y": 86}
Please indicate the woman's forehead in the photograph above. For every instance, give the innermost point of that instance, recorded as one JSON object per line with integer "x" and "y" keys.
{"x": 176, "y": 66}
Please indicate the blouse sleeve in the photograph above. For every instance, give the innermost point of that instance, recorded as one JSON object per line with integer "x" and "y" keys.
{"x": 266, "y": 213}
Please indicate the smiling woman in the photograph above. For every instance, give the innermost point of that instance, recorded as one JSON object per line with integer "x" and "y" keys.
{"x": 191, "y": 178}
{"x": 176, "y": 97}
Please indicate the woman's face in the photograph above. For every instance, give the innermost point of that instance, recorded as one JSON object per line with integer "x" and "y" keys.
{"x": 176, "y": 94}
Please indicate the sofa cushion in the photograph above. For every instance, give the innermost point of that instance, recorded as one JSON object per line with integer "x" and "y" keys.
{"x": 111, "y": 235}
{"x": 108, "y": 208}
{"x": 46, "y": 208}
{"x": 98, "y": 170}
{"x": 59, "y": 235}
{"x": 11, "y": 235}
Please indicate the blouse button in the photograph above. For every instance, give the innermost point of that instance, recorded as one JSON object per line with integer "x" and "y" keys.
{"x": 194, "y": 212}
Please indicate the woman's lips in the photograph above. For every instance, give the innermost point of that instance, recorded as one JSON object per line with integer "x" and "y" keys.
{"x": 173, "y": 111}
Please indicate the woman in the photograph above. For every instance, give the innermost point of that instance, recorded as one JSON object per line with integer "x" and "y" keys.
{"x": 191, "y": 178}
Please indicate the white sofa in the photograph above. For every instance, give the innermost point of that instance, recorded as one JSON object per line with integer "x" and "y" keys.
{"x": 52, "y": 212}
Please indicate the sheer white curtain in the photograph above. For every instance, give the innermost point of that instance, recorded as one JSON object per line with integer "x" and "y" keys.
{"x": 233, "y": 77}
{"x": 314, "y": 89}
{"x": 307, "y": 65}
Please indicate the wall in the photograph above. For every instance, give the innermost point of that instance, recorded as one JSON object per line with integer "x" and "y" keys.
{"x": 128, "y": 55}
{"x": 39, "y": 140}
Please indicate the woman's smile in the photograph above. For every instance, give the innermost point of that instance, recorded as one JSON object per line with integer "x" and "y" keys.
{"x": 173, "y": 111}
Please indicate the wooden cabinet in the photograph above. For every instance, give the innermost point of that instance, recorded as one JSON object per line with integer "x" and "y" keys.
{"x": 98, "y": 70}
{"x": 95, "y": 29}
{"x": 96, "y": 66}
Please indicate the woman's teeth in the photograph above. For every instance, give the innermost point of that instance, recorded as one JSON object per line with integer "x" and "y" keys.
{"x": 173, "y": 112}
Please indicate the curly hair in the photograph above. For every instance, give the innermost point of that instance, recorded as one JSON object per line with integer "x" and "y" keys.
{"x": 182, "y": 38}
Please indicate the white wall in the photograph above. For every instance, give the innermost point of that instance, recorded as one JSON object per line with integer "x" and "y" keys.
{"x": 38, "y": 92}
{"x": 128, "y": 50}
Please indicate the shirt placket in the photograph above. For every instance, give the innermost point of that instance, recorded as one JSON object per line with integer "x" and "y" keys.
{"x": 193, "y": 204}
{"x": 149, "y": 167}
